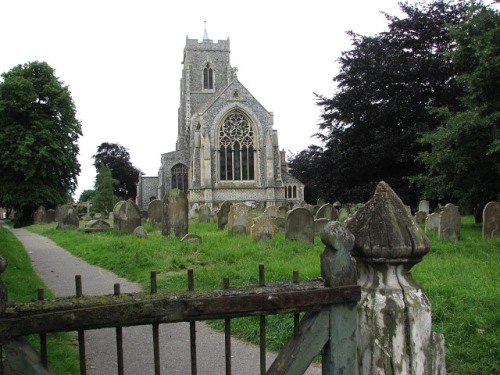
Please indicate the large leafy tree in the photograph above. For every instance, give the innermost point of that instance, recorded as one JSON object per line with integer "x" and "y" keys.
{"x": 386, "y": 83}
{"x": 464, "y": 161}
{"x": 104, "y": 198}
{"x": 117, "y": 159}
{"x": 38, "y": 137}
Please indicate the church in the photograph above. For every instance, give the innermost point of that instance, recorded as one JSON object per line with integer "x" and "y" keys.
{"x": 226, "y": 149}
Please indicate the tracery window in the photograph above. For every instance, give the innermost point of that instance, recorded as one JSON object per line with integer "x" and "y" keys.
{"x": 180, "y": 177}
{"x": 236, "y": 148}
{"x": 208, "y": 77}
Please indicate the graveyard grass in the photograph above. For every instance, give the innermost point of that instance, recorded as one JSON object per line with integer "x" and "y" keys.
{"x": 460, "y": 278}
{"x": 60, "y": 346}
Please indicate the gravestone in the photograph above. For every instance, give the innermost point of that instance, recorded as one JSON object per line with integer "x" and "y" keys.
{"x": 204, "y": 214}
{"x": 300, "y": 225}
{"x": 40, "y": 216}
{"x": 51, "y": 215}
{"x": 320, "y": 202}
{"x": 175, "y": 214}
{"x": 282, "y": 210}
{"x": 67, "y": 217}
{"x": 141, "y": 232}
{"x": 194, "y": 210}
{"x": 97, "y": 224}
{"x": 319, "y": 224}
{"x": 491, "y": 220}
{"x": 264, "y": 228}
{"x": 420, "y": 217}
{"x": 449, "y": 226}
{"x": 239, "y": 219}
{"x": 222, "y": 214}
{"x": 394, "y": 315}
{"x": 423, "y": 205}
{"x": 327, "y": 211}
{"x": 271, "y": 211}
{"x": 155, "y": 213}
{"x": 432, "y": 222}
{"x": 191, "y": 238}
{"x": 127, "y": 216}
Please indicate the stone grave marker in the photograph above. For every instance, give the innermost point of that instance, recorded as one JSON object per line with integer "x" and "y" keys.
{"x": 327, "y": 211}
{"x": 40, "y": 215}
{"x": 51, "y": 215}
{"x": 141, "y": 232}
{"x": 272, "y": 211}
{"x": 491, "y": 220}
{"x": 300, "y": 225}
{"x": 239, "y": 219}
{"x": 204, "y": 214}
{"x": 155, "y": 213}
{"x": 264, "y": 228}
{"x": 319, "y": 224}
{"x": 97, "y": 225}
{"x": 423, "y": 205}
{"x": 432, "y": 222}
{"x": 127, "y": 216}
{"x": 420, "y": 217}
{"x": 449, "y": 226}
{"x": 67, "y": 217}
{"x": 222, "y": 214}
{"x": 175, "y": 214}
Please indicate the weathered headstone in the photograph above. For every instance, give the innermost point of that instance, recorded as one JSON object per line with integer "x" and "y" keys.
{"x": 423, "y": 205}
{"x": 67, "y": 217}
{"x": 394, "y": 314}
{"x": 155, "y": 213}
{"x": 432, "y": 222}
{"x": 282, "y": 210}
{"x": 271, "y": 211}
{"x": 491, "y": 220}
{"x": 141, "y": 232}
{"x": 327, "y": 211}
{"x": 175, "y": 214}
{"x": 264, "y": 228}
{"x": 222, "y": 214}
{"x": 239, "y": 219}
{"x": 319, "y": 224}
{"x": 127, "y": 216}
{"x": 97, "y": 224}
{"x": 420, "y": 217}
{"x": 204, "y": 214}
{"x": 449, "y": 226}
{"x": 40, "y": 216}
{"x": 300, "y": 225}
{"x": 191, "y": 238}
{"x": 51, "y": 215}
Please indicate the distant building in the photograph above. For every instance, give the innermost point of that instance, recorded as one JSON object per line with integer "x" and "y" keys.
{"x": 226, "y": 146}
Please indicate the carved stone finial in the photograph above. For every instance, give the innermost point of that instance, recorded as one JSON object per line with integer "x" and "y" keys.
{"x": 385, "y": 232}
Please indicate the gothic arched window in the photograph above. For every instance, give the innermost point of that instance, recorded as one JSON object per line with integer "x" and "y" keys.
{"x": 208, "y": 77}
{"x": 236, "y": 148}
{"x": 180, "y": 177}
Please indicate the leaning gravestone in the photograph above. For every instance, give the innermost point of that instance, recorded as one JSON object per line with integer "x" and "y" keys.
{"x": 175, "y": 214}
{"x": 264, "y": 228}
{"x": 420, "y": 217}
{"x": 67, "y": 217}
{"x": 40, "y": 216}
{"x": 155, "y": 213}
{"x": 491, "y": 220}
{"x": 423, "y": 205}
{"x": 300, "y": 225}
{"x": 327, "y": 211}
{"x": 97, "y": 225}
{"x": 222, "y": 214}
{"x": 127, "y": 216}
{"x": 204, "y": 214}
{"x": 432, "y": 222}
{"x": 449, "y": 226}
{"x": 239, "y": 219}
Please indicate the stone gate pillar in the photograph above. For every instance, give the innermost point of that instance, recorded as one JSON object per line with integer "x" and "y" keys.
{"x": 394, "y": 315}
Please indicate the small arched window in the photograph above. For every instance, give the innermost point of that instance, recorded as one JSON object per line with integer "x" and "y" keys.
{"x": 236, "y": 148}
{"x": 294, "y": 191}
{"x": 208, "y": 77}
{"x": 180, "y": 177}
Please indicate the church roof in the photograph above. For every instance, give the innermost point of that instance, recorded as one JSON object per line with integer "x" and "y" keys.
{"x": 289, "y": 179}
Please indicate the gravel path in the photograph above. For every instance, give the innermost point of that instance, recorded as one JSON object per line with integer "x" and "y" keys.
{"x": 57, "y": 267}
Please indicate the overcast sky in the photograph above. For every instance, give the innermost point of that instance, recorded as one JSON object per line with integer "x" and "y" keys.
{"x": 122, "y": 61}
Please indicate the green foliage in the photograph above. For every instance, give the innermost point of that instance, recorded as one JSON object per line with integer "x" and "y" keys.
{"x": 22, "y": 283}
{"x": 38, "y": 134}
{"x": 460, "y": 278}
{"x": 386, "y": 82}
{"x": 117, "y": 159}
{"x": 464, "y": 161}
{"x": 87, "y": 195}
{"x": 104, "y": 198}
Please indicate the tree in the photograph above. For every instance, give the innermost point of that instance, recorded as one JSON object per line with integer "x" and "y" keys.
{"x": 38, "y": 134}
{"x": 386, "y": 83}
{"x": 104, "y": 198}
{"x": 87, "y": 195}
{"x": 117, "y": 158}
{"x": 463, "y": 163}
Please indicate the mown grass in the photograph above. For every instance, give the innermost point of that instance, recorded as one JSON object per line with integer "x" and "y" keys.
{"x": 22, "y": 283}
{"x": 461, "y": 279}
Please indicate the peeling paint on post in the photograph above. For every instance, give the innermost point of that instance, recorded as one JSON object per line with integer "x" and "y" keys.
{"x": 394, "y": 314}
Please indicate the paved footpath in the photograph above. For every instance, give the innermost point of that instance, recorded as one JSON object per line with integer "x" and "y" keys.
{"x": 57, "y": 267}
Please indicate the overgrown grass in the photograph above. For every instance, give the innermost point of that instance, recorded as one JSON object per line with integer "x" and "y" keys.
{"x": 22, "y": 283}
{"x": 460, "y": 278}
